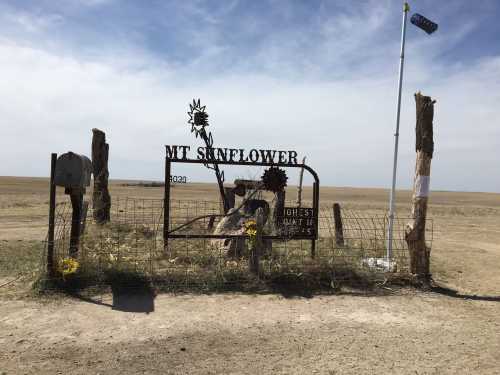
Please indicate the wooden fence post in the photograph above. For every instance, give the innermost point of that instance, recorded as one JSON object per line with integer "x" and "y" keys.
{"x": 101, "y": 202}
{"x": 339, "y": 231}
{"x": 415, "y": 230}
{"x": 301, "y": 177}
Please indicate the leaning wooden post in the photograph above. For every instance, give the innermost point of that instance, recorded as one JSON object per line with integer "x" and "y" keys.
{"x": 415, "y": 230}
{"x": 101, "y": 202}
{"x": 339, "y": 231}
{"x": 301, "y": 178}
{"x": 52, "y": 211}
{"x": 258, "y": 246}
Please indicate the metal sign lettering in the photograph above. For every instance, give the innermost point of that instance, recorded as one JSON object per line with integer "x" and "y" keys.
{"x": 178, "y": 179}
{"x": 219, "y": 154}
{"x": 299, "y": 221}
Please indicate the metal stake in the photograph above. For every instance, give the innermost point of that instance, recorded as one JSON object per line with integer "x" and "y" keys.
{"x": 52, "y": 215}
{"x": 406, "y": 9}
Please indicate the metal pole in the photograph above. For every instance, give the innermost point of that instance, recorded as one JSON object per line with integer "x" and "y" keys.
{"x": 406, "y": 9}
{"x": 52, "y": 210}
{"x": 316, "y": 217}
{"x": 166, "y": 204}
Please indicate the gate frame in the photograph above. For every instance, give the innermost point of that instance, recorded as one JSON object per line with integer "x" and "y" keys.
{"x": 166, "y": 200}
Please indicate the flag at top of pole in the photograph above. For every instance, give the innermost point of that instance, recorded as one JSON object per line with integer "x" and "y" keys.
{"x": 423, "y": 23}
{"x": 429, "y": 27}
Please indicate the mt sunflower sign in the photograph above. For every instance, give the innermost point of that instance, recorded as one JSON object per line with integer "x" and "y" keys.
{"x": 211, "y": 154}
{"x": 241, "y": 200}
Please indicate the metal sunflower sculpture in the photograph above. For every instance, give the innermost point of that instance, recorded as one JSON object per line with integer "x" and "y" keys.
{"x": 198, "y": 118}
{"x": 274, "y": 179}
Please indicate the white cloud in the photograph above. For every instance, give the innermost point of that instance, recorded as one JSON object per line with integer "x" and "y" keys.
{"x": 343, "y": 120}
{"x": 51, "y": 103}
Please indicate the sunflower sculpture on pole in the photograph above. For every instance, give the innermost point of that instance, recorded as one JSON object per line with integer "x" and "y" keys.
{"x": 198, "y": 119}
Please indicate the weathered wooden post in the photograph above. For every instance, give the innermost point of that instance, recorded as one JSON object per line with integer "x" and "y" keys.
{"x": 339, "y": 230}
{"x": 415, "y": 231}
{"x": 258, "y": 246}
{"x": 52, "y": 211}
{"x": 101, "y": 202}
{"x": 301, "y": 178}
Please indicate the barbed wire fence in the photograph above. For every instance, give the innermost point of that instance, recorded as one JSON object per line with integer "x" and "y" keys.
{"x": 132, "y": 244}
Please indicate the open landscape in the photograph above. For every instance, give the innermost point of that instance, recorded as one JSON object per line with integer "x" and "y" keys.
{"x": 453, "y": 328}
{"x": 253, "y": 243}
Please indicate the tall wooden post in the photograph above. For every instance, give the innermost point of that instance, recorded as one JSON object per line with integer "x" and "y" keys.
{"x": 101, "y": 201}
{"x": 301, "y": 178}
{"x": 415, "y": 230}
{"x": 52, "y": 211}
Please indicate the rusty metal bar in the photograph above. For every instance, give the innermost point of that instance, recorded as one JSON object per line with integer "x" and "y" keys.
{"x": 313, "y": 238}
{"x": 224, "y": 236}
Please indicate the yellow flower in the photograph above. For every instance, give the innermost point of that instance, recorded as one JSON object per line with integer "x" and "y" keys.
{"x": 251, "y": 232}
{"x": 251, "y": 228}
{"x": 250, "y": 223}
{"x": 68, "y": 266}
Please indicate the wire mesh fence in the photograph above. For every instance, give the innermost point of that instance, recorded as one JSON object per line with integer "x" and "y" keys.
{"x": 131, "y": 245}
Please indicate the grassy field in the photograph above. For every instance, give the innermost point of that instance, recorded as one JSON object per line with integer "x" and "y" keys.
{"x": 403, "y": 331}
{"x": 465, "y": 248}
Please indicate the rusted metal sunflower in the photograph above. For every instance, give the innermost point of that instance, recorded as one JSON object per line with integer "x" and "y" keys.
{"x": 274, "y": 179}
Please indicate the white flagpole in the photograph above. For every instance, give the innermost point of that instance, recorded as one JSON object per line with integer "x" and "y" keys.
{"x": 406, "y": 9}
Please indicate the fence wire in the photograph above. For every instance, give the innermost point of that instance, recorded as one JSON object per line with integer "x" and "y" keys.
{"x": 132, "y": 243}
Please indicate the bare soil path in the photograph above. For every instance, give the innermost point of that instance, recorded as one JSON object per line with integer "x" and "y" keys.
{"x": 415, "y": 333}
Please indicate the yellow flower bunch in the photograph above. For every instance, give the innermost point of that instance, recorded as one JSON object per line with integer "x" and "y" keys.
{"x": 251, "y": 228}
{"x": 68, "y": 266}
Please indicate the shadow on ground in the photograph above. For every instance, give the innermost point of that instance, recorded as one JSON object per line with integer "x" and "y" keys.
{"x": 126, "y": 299}
{"x": 135, "y": 299}
{"x": 439, "y": 289}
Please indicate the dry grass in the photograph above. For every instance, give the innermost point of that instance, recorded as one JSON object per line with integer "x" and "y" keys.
{"x": 466, "y": 244}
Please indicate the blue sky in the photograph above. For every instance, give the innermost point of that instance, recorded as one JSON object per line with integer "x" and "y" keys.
{"x": 316, "y": 76}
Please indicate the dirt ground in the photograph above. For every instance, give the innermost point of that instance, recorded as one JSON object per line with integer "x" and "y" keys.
{"x": 401, "y": 332}
{"x": 242, "y": 334}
